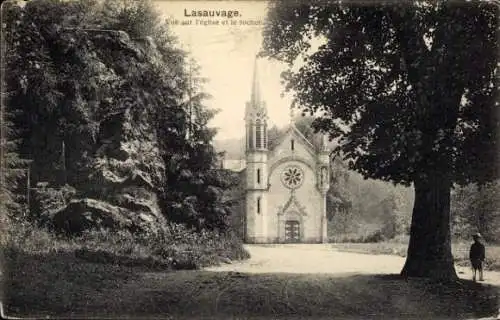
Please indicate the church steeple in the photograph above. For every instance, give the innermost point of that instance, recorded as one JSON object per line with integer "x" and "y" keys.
{"x": 324, "y": 143}
{"x": 255, "y": 97}
{"x": 256, "y": 116}
{"x": 256, "y": 173}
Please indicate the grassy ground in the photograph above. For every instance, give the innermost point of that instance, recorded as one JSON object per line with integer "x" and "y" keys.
{"x": 179, "y": 247}
{"x": 44, "y": 276}
{"x": 61, "y": 285}
{"x": 48, "y": 273}
{"x": 400, "y": 246}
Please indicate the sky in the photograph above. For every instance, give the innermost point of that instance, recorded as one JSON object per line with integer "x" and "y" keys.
{"x": 226, "y": 55}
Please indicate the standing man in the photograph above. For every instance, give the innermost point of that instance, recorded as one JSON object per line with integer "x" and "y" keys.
{"x": 476, "y": 256}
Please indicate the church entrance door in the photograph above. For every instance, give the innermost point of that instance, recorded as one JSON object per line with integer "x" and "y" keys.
{"x": 292, "y": 231}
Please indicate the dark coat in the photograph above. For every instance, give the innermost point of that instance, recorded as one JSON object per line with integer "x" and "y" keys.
{"x": 477, "y": 252}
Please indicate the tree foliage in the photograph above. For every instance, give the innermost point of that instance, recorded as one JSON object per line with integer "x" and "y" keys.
{"x": 102, "y": 93}
{"x": 475, "y": 208}
{"x": 13, "y": 169}
{"x": 378, "y": 83}
{"x": 13, "y": 174}
{"x": 394, "y": 83}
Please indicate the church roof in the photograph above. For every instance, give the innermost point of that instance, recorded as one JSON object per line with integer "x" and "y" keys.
{"x": 292, "y": 128}
{"x": 239, "y": 165}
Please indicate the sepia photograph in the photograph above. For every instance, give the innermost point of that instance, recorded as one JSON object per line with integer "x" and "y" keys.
{"x": 280, "y": 159}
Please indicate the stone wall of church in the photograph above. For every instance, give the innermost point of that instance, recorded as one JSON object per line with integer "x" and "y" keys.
{"x": 281, "y": 201}
{"x": 237, "y": 196}
{"x": 308, "y": 200}
{"x": 256, "y": 161}
{"x": 257, "y": 222}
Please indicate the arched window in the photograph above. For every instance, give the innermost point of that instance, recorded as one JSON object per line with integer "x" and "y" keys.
{"x": 265, "y": 136}
{"x": 258, "y": 134}
{"x": 250, "y": 137}
{"x": 258, "y": 175}
{"x": 258, "y": 205}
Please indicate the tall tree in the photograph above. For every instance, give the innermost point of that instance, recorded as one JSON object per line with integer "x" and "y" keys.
{"x": 13, "y": 169}
{"x": 410, "y": 91}
{"x": 104, "y": 86}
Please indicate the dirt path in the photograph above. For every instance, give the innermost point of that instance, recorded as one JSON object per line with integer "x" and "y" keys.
{"x": 322, "y": 258}
{"x": 278, "y": 282}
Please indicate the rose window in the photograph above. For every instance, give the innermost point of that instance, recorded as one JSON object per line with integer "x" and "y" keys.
{"x": 292, "y": 177}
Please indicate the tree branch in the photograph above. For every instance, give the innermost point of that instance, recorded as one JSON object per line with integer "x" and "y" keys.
{"x": 411, "y": 43}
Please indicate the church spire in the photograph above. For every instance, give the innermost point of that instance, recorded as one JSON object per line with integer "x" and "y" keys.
{"x": 255, "y": 98}
{"x": 256, "y": 116}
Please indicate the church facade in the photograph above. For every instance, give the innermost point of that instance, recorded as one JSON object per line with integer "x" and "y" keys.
{"x": 284, "y": 188}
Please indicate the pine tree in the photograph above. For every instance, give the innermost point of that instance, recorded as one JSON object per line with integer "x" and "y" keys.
{"x": 13, "y": 170}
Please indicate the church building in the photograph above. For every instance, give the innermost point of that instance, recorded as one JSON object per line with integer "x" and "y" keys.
{"x": 284, "y": 188}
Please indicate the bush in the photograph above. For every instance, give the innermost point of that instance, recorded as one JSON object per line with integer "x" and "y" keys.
{"x": 374, "y": 237}
{"x": 23, "y": 236}
{"x": 364, "y": 232}
{"x": 46, "y": 201}
{"x": 186, "y": 247}
{"x": 177, "y": 247}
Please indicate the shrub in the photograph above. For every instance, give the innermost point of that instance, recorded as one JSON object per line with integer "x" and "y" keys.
{"x": 197, "y": 249}
{"x": 364, "y": 232}
{"x": 46, "y": 201}
{"x": 374, "y": 237}
{"x": 177, "y": 247}
{"x": 23, "y": 236}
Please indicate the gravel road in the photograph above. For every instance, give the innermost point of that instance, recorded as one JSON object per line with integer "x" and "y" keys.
{"x": 322, "y": 258}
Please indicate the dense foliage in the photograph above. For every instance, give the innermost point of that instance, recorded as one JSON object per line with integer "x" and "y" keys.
{"x": 476, "y": 208}
{"x": 105, "y": 102}
{"x": 395, "y": 84}
{"x": 368, "y": 73}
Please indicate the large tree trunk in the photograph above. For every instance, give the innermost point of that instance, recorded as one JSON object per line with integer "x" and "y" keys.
{"x": 429, "y": 252}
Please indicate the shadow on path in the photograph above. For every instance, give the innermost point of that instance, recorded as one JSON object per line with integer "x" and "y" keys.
{"x": 285, "y": 295}
{"x": 63, "y": 286}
